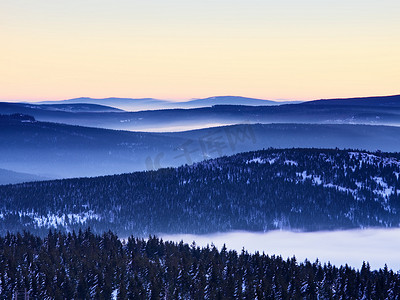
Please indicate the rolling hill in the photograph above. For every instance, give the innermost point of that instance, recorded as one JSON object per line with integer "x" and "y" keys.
{"x": 57, "y": 151}
{"x": 386, "y": 101}
{"x": 318, "y": 112}
{"x": 130, "y": 104}
{"x": 26, "y": 108}
{"x": 7, "y": 177}
{"x": 294, "y": 189}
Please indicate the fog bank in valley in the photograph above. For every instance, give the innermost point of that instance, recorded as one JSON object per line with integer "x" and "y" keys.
{"x": 377, "y": 246}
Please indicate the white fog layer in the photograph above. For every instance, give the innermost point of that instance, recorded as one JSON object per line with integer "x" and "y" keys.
{"x": 377, "y": 246}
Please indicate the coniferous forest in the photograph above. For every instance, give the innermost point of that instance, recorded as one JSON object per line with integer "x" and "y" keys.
{"x": 199, "y": 150}
{"x": 84, "y": 265}
{"x": 81, "y": 257}
{"x": 293, "y": 189}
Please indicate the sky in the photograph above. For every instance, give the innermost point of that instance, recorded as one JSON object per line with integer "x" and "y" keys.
{"x": 184, "y": 49}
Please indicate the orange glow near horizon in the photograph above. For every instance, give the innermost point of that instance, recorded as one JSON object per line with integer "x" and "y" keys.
{"x": 188, "y": 49}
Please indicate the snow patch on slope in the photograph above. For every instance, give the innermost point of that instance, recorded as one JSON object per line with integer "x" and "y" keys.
{"x": 55, "y": 220}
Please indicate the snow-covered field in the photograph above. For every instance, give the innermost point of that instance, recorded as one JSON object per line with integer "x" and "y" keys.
{"x": 377, "y": 246}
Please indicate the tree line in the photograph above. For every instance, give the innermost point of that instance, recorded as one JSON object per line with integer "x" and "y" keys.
{"x": 84, "y": 265}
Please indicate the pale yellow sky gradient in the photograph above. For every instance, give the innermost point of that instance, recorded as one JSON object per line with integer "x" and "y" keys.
{"x": 191, "y": 49}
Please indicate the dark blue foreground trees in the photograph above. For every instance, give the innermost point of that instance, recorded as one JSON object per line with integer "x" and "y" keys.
{"x": 88, "y": 266}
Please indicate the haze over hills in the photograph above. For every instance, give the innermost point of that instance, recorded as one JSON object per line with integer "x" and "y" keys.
{"x": 58, "y": 150}
{"x": 230, "y": 100}
{"x": 128, "y": 104}
{"x": 25, "y": 108}
{"x": 11, "y": 177}
{"x": 318, "y": 112}
{"x": 131, "y": 104}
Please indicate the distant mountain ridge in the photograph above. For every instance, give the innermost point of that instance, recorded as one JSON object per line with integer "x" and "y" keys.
{"x": 10, "y": 107}
{"x": 232, "y": 100}
{"x": 354, "y": 111}
{"x": 129, "y": 104}
{"x": 393, "y": 101}
{"x": 132, "y": 104}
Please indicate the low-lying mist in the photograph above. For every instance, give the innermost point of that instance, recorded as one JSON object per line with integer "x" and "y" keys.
{"x": 352, "y": 247}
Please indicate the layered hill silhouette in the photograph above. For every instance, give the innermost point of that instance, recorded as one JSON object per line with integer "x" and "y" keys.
{"x": 131, "y": 104}
{"x": 54, "y": 150}
{"x": 370, "y": 111}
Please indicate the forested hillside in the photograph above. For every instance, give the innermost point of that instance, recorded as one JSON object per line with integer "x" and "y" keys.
{"x": 297, "y": 189}
{"x": 87, "y": 266}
